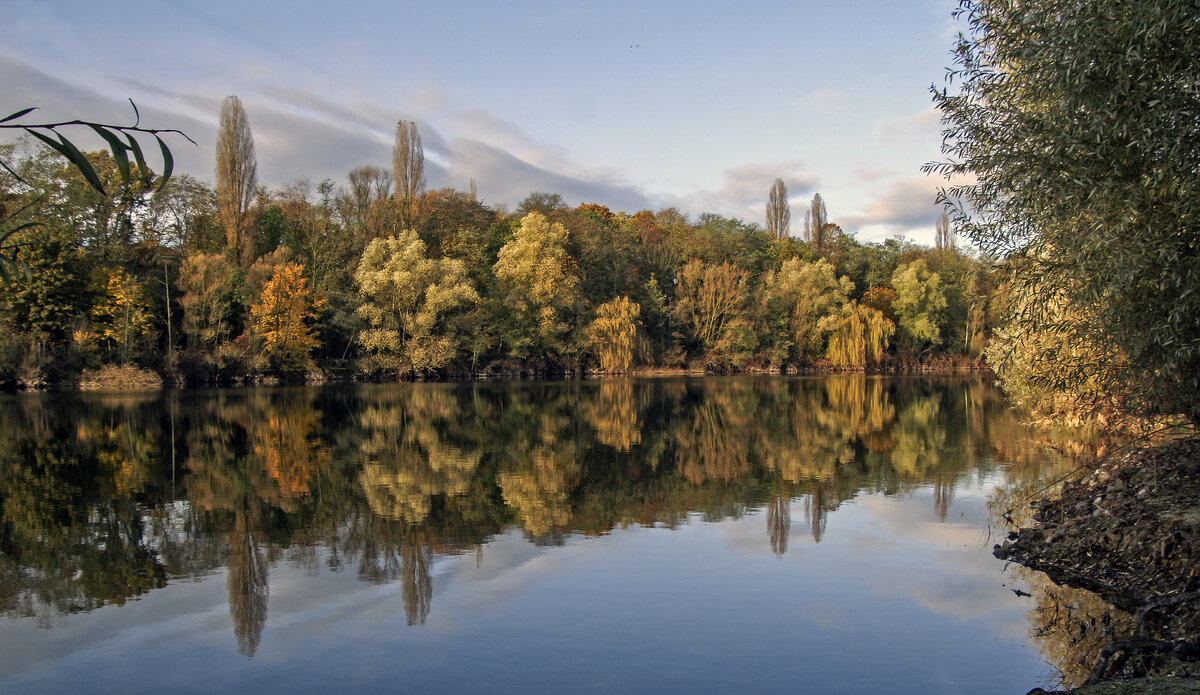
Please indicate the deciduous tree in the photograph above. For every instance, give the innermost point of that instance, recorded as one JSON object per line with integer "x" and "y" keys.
{"x": 408, "y": 172}
{"x": 1075, "y": 123}
{"x": 410, "y": 303}
{"x": 779, "y": 212}
{"x": 282, "y": 316}
{"x": 537, "y": 284}
{"x": 919, "y": 304}
{"x": 237, "y": 177}
{"x": 613, "y": 334}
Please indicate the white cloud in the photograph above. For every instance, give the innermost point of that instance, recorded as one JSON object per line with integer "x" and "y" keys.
{"x": 906, "y": 206}
{"x": 925, "y": 124}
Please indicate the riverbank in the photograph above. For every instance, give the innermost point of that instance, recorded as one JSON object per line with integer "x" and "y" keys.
{"x": 1130, "y": 532}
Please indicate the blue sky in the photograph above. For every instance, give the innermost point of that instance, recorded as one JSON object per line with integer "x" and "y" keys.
{"x": 630, "y": 104}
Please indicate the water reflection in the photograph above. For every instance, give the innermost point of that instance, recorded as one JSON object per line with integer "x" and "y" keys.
{"x": 1069, "y": 626}
{"x": 104, "y": 499}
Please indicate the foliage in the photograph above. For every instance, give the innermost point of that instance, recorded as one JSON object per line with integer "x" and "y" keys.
{"x": 919, "y": 304}
{"x": 798, "y": 300}
{"x": 537, "y": 284}
{"x": 858, "y": 337}
{"x": 121, "y": 140}
{"x": 410, "y": 302}
{"x": 1077, "y": 124}
{"x": 708, "y": 298}
{"x": 281, "y": 317}
{"x": 206, "y": 282}
{"x": 612, "y": 334}
{"x": 121, "y": 313}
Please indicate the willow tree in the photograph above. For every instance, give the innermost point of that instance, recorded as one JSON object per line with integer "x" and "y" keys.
{"x": 237, "y": 177}
{"x": 858, "y": 336}
{"x": 797, "y": 301}
{"x": 779, "y": 212}
{"x": 1076, "y": 123}
{"x": 612, "y": 334}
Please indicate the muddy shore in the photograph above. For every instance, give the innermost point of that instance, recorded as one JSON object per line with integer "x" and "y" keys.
{"x": 1129, "y": 532}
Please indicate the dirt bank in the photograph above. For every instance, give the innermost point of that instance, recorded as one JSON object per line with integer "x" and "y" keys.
{"x": 1130, "y": 532}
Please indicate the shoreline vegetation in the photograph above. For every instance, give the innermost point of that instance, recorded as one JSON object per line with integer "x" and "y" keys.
{"x": 128, "y": 378}
{"x": 357, "y": 282}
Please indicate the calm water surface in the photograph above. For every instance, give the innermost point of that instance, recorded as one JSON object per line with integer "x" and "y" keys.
{"x": 668, "y": 536}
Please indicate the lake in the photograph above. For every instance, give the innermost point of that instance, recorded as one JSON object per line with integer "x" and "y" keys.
{"x": 773, "y": 534}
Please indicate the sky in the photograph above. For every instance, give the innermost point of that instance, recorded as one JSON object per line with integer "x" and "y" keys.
{"x": 633, "y": 104}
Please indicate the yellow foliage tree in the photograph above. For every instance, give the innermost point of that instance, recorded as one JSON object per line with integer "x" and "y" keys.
{"x": 613, "y": 332}
{"x": 122, "y": 315}
{"x": 281, "y": 318}
{"x": 858, "y": 336}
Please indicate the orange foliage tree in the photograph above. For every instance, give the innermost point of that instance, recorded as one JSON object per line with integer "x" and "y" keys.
{"x": 282, "y": 316}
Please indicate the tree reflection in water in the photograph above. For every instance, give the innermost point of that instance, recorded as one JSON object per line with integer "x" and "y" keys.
{"x": 107, "y": 498}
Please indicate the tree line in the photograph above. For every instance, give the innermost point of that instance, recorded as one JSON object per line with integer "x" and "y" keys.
{"x": 382, "y": 278}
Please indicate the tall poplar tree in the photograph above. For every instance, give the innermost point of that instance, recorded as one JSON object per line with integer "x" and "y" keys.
{"x": 237, "y": 177}
{"x": 408, "y": 171}
{"x": 779, "y": 212}
{"x": 816, "y": 223}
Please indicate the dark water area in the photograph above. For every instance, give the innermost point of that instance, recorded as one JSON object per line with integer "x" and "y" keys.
{"x": 771, "y": 534}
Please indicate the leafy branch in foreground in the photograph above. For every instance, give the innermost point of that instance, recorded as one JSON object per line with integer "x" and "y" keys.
{"x": 121, "y": 142}
{"x": 120, "y": 138}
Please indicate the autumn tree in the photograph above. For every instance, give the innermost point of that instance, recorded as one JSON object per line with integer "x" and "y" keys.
{"x": 121, "y": 314}
{"x": 708, "y": 298}
{"x": 858, "y": 336}
{"x": 1075, "y": 124}
{"x": 613, "y": 333}
{"x": 411, "y": 304}
{"x": 206, "y": 281}
{"x": 282, "y": 316}
{"x": 779, "y": 212}
{"x": 368, "y": 184}
{"x": 798, "y": 298}
{"x": 237, "y": 178}
{"x": 816, "y": 224}
{"x": 408, "y": 171}
{"x": 536, "y": 282}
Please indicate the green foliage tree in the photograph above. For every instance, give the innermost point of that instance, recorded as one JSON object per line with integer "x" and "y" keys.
{"x": 919, "y": 304}
{"x": 798, "y": 299}
{"x": 1076, "y": 123}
